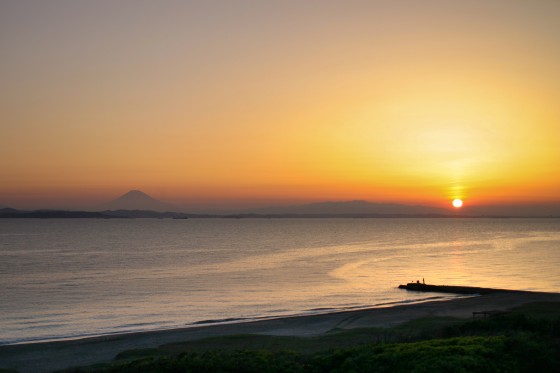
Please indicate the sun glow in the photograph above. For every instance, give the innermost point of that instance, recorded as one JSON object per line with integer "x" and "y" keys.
{"x": 457, "y": 203}
{"x": 345, "y": 105}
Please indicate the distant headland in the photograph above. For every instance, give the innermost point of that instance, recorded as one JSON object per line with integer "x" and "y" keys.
{"x": 137, "y": 204}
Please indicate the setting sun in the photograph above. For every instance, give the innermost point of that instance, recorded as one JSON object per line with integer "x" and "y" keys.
{"x": 381, "y": 101}
{"x": 457, "y": 203}
{"x": 278, "y": 157}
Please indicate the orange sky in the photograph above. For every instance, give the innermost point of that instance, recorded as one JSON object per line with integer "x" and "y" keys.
{"x": 253, "y": 103}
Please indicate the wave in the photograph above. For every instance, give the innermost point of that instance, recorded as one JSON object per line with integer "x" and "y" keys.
{"x": 155, "y": 327}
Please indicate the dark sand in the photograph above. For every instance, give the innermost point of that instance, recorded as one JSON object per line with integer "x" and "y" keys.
{"x": 49, "y": 356}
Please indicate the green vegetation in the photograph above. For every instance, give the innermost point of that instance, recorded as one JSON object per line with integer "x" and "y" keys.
{"x": 525, "y": 340}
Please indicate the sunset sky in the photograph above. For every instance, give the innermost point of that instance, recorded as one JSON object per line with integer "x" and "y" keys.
{"x": 255, "y": 103}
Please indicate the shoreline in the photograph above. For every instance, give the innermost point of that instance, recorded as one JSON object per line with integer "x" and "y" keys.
{"x": 49, "y": 356}
{"x": 240, "y": 320}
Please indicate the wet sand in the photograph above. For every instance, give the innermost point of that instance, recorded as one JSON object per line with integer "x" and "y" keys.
{"x": 50, "y": 356}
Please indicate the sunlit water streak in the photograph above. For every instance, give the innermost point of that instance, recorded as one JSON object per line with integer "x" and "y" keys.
{"x": 73, "y": 278}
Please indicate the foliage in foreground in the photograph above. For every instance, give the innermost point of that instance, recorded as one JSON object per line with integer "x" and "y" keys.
{"x": 463, "y": 354}
{"x": 511, "y": 343}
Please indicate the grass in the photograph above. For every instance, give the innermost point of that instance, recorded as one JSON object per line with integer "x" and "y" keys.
{"x": 547, "y": 310}
{"x": 525, "y": 340}
{"x": 337, "y": 338}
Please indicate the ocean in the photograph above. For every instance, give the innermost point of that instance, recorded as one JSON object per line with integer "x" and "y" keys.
{"x": 71, "y": 278}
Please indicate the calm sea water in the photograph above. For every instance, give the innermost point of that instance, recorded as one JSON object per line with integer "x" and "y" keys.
{"x": 74, "y": 278}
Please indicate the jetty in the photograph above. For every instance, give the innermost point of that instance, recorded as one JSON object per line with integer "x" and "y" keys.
{"x": 417, "y": 286}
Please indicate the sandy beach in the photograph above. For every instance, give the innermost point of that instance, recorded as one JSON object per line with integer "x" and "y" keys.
{"x": 50, "y": 356}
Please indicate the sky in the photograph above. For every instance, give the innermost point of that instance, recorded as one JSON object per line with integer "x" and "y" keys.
{"x": 254, "y": 103}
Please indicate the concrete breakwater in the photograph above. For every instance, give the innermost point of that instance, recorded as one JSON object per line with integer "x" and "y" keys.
{"x": 416, "y": 286}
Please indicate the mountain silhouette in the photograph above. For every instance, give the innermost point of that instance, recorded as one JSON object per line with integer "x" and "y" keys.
{"x": 137, "y": 200}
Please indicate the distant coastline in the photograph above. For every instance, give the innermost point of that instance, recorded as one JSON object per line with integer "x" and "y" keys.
{"x": 137, "y": 204}
{"x": 9, "y": 213}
